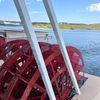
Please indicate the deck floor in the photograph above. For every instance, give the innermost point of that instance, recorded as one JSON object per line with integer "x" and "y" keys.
{"x": 90, "y": 90}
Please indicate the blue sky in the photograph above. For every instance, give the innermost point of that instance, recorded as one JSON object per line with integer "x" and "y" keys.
{"x": 71, "y": 11}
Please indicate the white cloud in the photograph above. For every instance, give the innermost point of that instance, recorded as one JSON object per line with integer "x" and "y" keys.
{"x": 38, "y": 0}
{"x": 94, "y": 7}
{"x": 28, "y": 2}
{"x": 36, "y": 12}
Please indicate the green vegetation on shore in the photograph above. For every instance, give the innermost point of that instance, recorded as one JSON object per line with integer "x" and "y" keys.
{"x": 70, "y": 26}
{"x": 63, "y": 25}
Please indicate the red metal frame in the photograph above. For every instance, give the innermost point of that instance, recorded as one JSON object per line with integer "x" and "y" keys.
{"x": 21, "y": 79}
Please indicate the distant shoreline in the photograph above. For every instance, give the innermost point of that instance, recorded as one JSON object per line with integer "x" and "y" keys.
{"x": 62, "y": 26}
{"x": 70, "y": 27}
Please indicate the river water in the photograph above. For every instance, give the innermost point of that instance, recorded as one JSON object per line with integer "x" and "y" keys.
{"x": 87, "y": 41}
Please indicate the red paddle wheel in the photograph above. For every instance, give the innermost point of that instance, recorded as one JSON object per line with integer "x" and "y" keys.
{"x": 20, "y": 78}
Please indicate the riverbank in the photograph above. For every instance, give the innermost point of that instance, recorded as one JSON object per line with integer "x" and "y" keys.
{"x": 70, "y": 26}
{"x": 62, "y": 25}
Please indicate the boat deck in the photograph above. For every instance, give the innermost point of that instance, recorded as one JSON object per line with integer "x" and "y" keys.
{"x": 90, "y": 90}
{"x": 42, "y": 36}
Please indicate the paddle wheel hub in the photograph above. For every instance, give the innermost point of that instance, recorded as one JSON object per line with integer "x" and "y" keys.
{"x": 20, "y": 78}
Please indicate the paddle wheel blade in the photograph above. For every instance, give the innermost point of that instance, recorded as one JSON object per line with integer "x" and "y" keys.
{"x": 21, "y": 79}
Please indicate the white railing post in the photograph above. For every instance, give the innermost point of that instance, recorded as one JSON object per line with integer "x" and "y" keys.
{"x": 24, "y": 16}
{"x": 53, "y": 20}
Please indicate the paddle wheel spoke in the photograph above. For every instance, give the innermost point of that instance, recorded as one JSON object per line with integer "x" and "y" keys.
{"x": 21, "y": 79}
